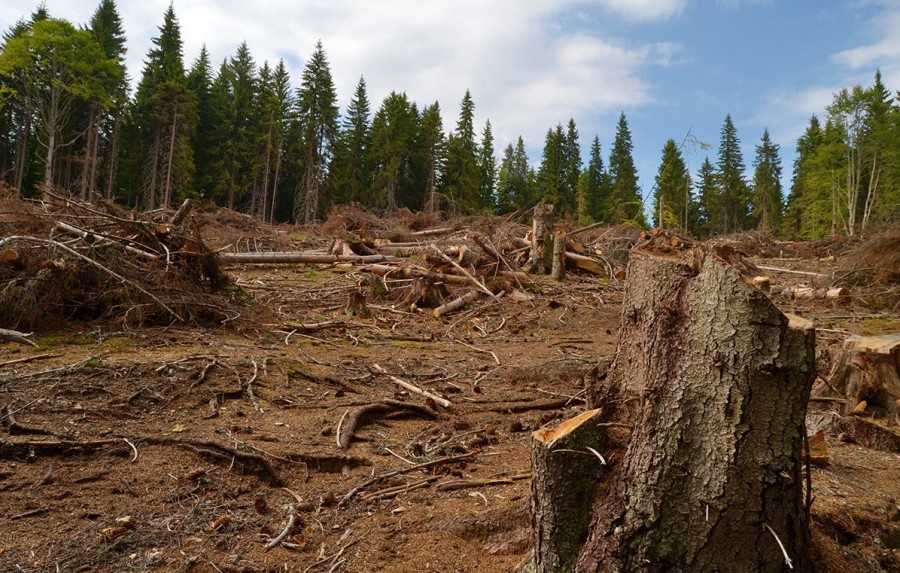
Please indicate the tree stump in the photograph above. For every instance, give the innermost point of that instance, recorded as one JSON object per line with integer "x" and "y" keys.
{"x": 715, "y": 380}
{"x": 558, "y": 267}
{"x": 563, "y": 475}
{"x": 542, "y": 239}
{"x": 868, "y": 370}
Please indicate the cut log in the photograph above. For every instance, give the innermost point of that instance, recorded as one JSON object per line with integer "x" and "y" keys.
{"x": 868, "y": 370}
{"x": 587, "y": 264}
{"x": 16, "y": 336}
{"x": 182, "y": 213}
{"x": 558, "y": 267}
{"x": 456, "y": 303}
{"x": 818, "y": 450}
{"x": 564, "y": 472}
{"x": 542, "y": 239}
{"x": 715, "y": 381}
{"x": 302, "y": 258}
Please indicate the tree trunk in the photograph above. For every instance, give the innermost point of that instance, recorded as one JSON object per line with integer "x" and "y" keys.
{"x": 563, "y": 474}
{"x": 715, "y": 381}
{"x": 542, "y": 241}
{"x": 558, "y": 267}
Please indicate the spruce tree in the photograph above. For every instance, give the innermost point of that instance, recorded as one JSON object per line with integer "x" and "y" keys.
{"x": 802, "y": 194}
{"x": 730, "y": 212}
{"x": 625, "y": 203}
{"x": 487, "y": 165}
{"x": 552, "y": 181}
{"x": 708, "y": 197}
{"x": 571, "y": 169}
{"x": 431, "y": 156}
{"x": 463, "y": 176}
{"x": 672, "y": 198}
{"x": 768, "y": 202}
{"x": 354, "y": 179}
{"x": 593, "y": 190}
{"x": 199, "y": 82}
{"x": 393, "y": 136}
{"x": 317, "y": 117}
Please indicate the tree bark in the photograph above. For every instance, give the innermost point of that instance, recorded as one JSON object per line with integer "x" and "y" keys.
{"x": 558, "y": 267}
{"x": 715, "y": 381}
{"x": 563, "y": 474}
{"x": 542, "y": 241}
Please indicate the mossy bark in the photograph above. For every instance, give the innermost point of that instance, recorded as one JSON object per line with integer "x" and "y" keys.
{"x": 716, "y": 383}
{"x": 564, "y": 472}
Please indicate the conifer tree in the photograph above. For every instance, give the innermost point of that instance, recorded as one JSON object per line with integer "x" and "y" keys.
{"x": 162, "y": 121}
{"x": 199, "y": 82}
{"x": 514, "y": 186}
{"x": 593, "y": 190}
{"x": 672, "y": 198}
{"x": 730, "y": 210}
{"x": 552, "y": 180}
{"x": 625, "y": 203}
{"x": 102, "y": 136}
{"x": 571, "y": 169}
{"x": 353, "y": 178}
{"x": 431, "y": 156}
{"x": 317, "y": 117}
{"x": 393, "y": 135}
{"x": 708, "y": 194}
{"x": 768, "y": 202}
{"x": 487, "y": 164}
{"x": 463, "y": 176}
{"x": 801, "y": 196}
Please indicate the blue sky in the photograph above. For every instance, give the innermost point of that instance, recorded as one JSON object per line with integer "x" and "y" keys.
{"x": 670, "y": 65}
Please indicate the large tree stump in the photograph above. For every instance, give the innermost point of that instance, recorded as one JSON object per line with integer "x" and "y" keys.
{"x": 868, "y": 370}
{"x": 542, "y": 239}
{"x": 715, "y": 381}
{"x": 563, "y": 474}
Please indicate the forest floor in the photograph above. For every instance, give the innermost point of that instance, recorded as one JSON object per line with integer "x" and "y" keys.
{"x": 188, "y": 448}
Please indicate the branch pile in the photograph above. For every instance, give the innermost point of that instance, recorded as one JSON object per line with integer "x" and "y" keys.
{"x": 72, "y": 260}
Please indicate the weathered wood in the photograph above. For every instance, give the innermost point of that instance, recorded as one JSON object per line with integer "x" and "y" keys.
{"x": 16, "y": 336}
{"x": 587, "y": 264}
{"x": 301, "y": 258}
{"x": 542, "y": 239}
{"x": 456, "y": 303}
{"x": 558, "y": 266}
{"x": 870, "y": 434}
{"x": 716, "y": 382}
{"x": 564, "y": 472}
{"x": 443, "y": 402}
{"x": 868, "y": 370}
{"x": 182, "y": 212}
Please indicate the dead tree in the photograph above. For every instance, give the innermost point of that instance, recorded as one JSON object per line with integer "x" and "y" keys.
{"x": 542, "y": 239}
{"x": 715, "y": 382}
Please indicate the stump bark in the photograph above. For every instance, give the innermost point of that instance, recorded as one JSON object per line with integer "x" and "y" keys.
{"x": 542, "y": 239}
{"x": 868, "y": 370}
{"x": 715, "y": 381}
{"x": 563, "y": 474}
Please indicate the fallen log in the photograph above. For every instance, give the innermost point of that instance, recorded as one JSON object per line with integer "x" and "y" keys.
{"x": 302, "y": 258}
{"x": 456, "y": 303}
{"x": 16, "y": 336}
{"x": 587, "y": 264}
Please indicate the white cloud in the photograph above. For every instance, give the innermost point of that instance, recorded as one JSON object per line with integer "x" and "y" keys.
{"x": 643, "y": 10}
{"x": 884, "y": 51}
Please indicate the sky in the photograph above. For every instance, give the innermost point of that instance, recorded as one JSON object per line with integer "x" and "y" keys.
{"x": 676, "y": 68}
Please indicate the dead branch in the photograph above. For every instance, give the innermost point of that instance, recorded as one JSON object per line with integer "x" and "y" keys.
{"x": 466, "y": 273}
{"x": 29, "y": 359}
{"x": 346, "y": 429}
{"x": 292, "y": 518}
{"x": 456, "y": 304}
{"x": 91, "y": 261}
{"x": 16, "y": 336}
{"x": 302, "y": 258}
{"x": 349, "y": 495}
{"x": 454, "y": 485}
{"x": 413, "y": 388}
{"x": 182, "y": 212}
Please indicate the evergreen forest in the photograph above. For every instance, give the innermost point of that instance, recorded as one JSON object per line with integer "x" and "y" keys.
{"x": 239, "y": 134}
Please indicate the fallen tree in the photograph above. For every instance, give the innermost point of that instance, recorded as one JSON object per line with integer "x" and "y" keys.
{"x": 713, "y": 380}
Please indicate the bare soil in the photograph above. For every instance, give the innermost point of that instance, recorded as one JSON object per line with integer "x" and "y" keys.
{"x": 185, "y": 448}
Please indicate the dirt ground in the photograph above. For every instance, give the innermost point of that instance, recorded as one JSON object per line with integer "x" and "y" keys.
{"x": 188, "y": 448}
